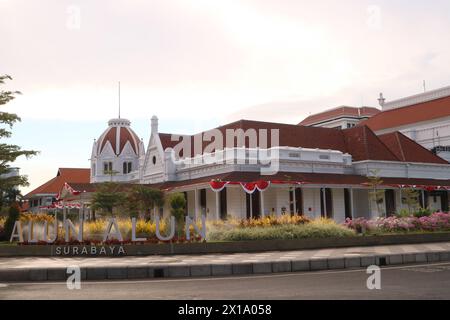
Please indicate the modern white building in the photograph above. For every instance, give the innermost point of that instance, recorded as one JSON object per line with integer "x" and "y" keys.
{"x": 342, "y": 117}
{"x": 424, "y": 117}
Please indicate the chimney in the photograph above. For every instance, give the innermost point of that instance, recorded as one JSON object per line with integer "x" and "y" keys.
{"x": 381, "y": 100}
{"x": 154, "y": 124}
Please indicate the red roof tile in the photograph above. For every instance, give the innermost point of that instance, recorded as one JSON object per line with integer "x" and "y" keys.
{"x": 53, "y": 186}
{"x": 408, "y": 150}
{"x": 290, "y": 135}
{"x": 110, "y": 137}
{"x": 340, "y": 112}
{"x": 425, "y": 111}
{"x": 361, "y": 142}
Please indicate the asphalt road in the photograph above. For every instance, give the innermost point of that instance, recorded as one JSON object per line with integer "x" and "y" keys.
{"x": 430, "y": 281}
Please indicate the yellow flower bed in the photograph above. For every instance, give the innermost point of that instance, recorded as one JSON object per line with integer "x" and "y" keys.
{"x": 37, "y": 217}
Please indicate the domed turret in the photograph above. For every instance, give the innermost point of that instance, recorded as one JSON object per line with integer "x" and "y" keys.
{"x": 116, "y": 154}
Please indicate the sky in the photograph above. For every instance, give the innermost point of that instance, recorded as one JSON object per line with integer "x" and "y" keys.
{"x": 197, "y": 64}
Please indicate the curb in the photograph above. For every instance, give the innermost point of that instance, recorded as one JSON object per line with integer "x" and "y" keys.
{"x": 221, "y": 247}
{"x": 182, "y": 270}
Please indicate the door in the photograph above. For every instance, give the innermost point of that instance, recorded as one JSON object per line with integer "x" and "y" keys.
{"x": 326, "y": 205}
{"x": 298, "y": 201}
{"x": 435, "y": 201}
{"x": 389, "y": 196}
{"x": 203, "y": 201}
{"x": 444, "y": 201}
{"x": 253, "y": 204}
{"x": 348, "y": 204}
{"x": 223, "y": 203}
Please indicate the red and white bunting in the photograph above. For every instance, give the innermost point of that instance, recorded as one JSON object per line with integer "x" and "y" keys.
{"x": 218, "y": 186}
{"x": 416, "y": 186}
{"x": 60, "y": 205}
{"x": 250, "y": 187}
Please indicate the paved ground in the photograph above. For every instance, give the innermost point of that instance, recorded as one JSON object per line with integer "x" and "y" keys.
{"x": 122, "y": 268}
{"x": 430, "y": 281}
{"x": 36, "y": 262}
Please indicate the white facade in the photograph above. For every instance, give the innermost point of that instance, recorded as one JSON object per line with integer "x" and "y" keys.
{"x": 329, "y": 199}
{"x": 342, "y": 123}
{"x": 415, "y": 99}
{"x": 432, "y": 134}
{"x": 118, "y": 154}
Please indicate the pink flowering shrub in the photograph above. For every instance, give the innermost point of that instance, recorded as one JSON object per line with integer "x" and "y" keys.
{"x": 360, "y": 225}
{"x": 435, "y": 222}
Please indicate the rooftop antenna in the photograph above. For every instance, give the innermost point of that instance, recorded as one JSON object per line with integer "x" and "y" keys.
{"x": 119, "y": 99}
{"x": 424, "y": 86}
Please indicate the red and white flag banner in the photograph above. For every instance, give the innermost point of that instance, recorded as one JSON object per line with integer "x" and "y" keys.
{"x": 218, "y": 186}
{"x": 251, "y": 187}
{"x": 423, "y": 187}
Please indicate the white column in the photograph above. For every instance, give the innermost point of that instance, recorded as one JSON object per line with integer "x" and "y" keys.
{"x": 64, "y": 212}
{"x": 262, "y": 203}
{"x": 293, "y": 199}
{"x": 352, "y": 205}
{"x": 251, "y": 205}
{"x": 217, "y": 205}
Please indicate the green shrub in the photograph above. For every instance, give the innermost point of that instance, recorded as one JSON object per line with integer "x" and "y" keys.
{"x": 403, "y": 213}
{"x": 177, "y": 203}
{"x": 315, "y": 229}
{"x": 422, "y": 212}
{"x": 14, "y": 214}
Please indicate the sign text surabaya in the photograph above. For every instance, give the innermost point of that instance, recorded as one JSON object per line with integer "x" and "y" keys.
{"x": 112, "y": 231}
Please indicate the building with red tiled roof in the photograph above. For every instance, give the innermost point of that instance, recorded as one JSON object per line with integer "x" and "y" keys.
{"x": 46, "y": 193}
{"x": 360, "y": 142}
{"x": 251, "y": 169}
{"x": 117, "y": 154}
{"x": 341, "y": 117}
{"x": 424, "y": 118}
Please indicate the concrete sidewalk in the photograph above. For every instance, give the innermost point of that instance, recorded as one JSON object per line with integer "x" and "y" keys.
{"x": 54, "y": 269}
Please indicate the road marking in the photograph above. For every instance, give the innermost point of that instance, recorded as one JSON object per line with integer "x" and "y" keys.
{"x": 430, "y": 269}
{"x": 274, "y": 275}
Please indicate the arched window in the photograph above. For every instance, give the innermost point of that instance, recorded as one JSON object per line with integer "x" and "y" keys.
{"x": 127, "y": 167}
{"x": 107, "y": 167}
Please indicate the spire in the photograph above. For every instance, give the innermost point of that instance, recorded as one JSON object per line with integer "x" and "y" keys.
{"x": 154, "y": 124}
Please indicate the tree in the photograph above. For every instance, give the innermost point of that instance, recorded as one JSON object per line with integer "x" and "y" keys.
{"x": 107, "y": 197}
{"x": 177, "y": 203}
{"x": 376, "y": 194}
{"x": 13, "y": 216}
{"x": 144, "y": 199}
{"x": 9, "y": 152}
{"x": 111, "y": 173}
